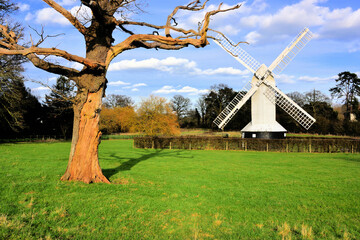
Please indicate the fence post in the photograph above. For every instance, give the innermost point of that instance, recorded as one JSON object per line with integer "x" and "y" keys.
{"x": 352, "y": 148}
{"x": 152, "y": 144}
{"x": 227, "y": 145}
{"x": 190, "y": 146}
{"x": 170, "y": 145}
{"x": 245, "y": 146}
{"x": 287, "y": 147}
{"x": 267, "y": 147}
{"x": 310, "y": 147}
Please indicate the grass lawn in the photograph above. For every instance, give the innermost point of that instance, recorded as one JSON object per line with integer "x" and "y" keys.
{"x": 179, "y": 194}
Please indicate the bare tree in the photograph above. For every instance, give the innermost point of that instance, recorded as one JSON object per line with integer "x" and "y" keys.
{"x": 115, "y": 100}
{"x": 180, "y": 105}
{"x": 101, "y": 49}
{"x": 297, "y": 97}
{"x": 316, "y": 96}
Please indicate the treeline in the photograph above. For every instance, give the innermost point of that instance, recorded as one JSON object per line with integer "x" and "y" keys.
{"x": 22, "y": 114}
{"x": 119, "y": 114}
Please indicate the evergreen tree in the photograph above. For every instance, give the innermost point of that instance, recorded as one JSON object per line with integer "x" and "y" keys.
{"x": 59, "y": 107}
{"x": 347, "y": 88}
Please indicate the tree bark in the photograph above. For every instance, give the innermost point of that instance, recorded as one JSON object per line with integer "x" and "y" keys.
{"x": 83, "y": 161}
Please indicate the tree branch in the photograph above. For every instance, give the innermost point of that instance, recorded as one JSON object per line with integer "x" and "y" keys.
{"x": 144, "y": 24}
{"x": 73, "y": 20}
{"x": 54, "y": 68}
{"x": 54, "y": 52}
{"x": 193, "y": 6}
{"x": 167, "y": 42}
{"x": 10, "y": 47}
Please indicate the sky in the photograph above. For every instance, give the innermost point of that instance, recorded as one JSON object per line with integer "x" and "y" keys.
{"x": 267, "y": 25}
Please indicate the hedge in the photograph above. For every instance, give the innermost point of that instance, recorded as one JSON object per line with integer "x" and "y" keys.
{"x": 318, "y": 145}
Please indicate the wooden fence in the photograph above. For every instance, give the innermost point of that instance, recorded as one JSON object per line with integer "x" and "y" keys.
{"x": 311, "y": 145}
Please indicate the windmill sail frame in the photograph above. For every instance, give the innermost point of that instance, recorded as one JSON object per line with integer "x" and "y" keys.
{"x": 289, "y": 106}
{"x": 238, "y": 53}
{"x": 289, "y": 53}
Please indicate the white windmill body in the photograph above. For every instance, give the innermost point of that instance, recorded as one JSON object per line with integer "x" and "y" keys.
{"x": 263, "y": 92}
{"x": 263, "y": 114}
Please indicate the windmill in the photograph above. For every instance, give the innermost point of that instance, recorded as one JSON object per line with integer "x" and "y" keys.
{"x": 263, "y": 92}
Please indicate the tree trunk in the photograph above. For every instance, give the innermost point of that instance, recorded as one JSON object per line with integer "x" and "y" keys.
{"x": 83, "y": 161}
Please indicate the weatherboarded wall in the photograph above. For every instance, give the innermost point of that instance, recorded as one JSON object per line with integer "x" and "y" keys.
{"x": 318, "y": 145}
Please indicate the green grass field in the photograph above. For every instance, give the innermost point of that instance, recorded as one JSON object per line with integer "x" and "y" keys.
{"x": 179, "y": 194}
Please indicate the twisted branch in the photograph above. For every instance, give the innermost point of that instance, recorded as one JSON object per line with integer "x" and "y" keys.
{"x": 167, "y": 42}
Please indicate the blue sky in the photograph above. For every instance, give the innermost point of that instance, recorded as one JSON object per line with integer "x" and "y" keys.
{"x": 268, "y": 25}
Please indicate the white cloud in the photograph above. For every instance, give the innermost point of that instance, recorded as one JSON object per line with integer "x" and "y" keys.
{"x": 329, "y": 23}
{"x": 290, "y": 79}
{"x": 259, "y": 5}
{"x": 221, "y": 71}
{"x": 52, "y": 79}
{"x": 173, "y": 65}
{"x": 283, "y": 78}
{"x": 354, "y": 47}
{"x": 187, "y": 89}
{"x": 29, "y": 17}
{"x": 67, "y": 2}
{"x": 166, "y": 65}
{"x": 135, "y": 87}
{"x": 23, "y": 7}
{"x": 140, "y": 85}
{"x": 118, "y": 83}
{"x": 341, "y": 24}
{"x": 252, "y": 37}
{"x": 38, "y": 89}
{"x": 82, "y": 13}
{"x": 77, "y": 66}
{"x": 316, "y": 79}
{"x": 49, "y": 15}
{"x": 229, "y": 29}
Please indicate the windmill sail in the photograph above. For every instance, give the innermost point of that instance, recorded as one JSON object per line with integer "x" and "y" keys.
{"x": 290, "y": 52}
{"x": 289, "y": 106}
{"x": 233, "y": 107}
{"x": 238, "y": 53}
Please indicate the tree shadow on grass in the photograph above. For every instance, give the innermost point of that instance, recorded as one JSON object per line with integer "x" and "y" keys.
{"x": 131, "y": 162}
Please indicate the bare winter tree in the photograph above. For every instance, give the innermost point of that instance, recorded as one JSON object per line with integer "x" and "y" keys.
{"x": 115, "y": 100}
{"x": 180, "y": 105}
{"x": 101, "y": 49}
